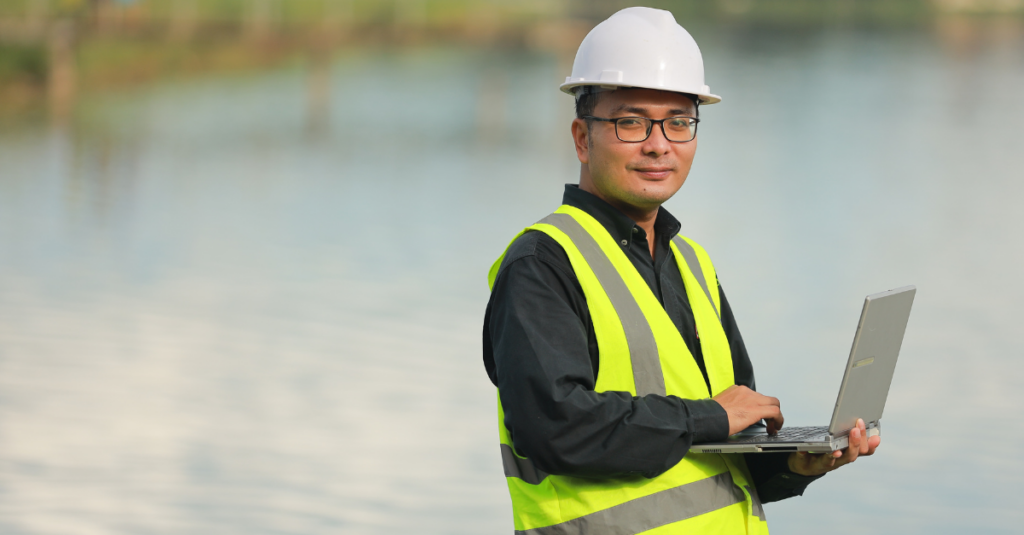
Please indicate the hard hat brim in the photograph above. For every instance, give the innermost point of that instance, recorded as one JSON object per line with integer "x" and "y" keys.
{"x": 704, "y": 97}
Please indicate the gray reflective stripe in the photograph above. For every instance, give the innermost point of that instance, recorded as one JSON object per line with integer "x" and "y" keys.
{"x": 649, "y": 512}
{"x": 691, "y": 261}
{"x": 519, "y": 467}
{"x": 758, "y": 510}
{"x": 643, "y": 350}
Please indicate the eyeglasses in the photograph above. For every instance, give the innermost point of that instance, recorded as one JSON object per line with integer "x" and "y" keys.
{"x": 637, "y": 129}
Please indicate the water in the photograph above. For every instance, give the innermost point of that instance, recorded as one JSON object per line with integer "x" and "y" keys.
{"x": 224, "y": 311}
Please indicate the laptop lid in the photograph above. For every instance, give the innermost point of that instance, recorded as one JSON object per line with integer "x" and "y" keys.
{"x": 869, "y": 370}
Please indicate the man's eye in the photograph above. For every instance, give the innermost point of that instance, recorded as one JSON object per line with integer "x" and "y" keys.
{"x": 630, "y": 123}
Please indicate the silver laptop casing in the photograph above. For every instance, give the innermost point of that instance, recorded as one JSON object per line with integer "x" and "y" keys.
{"x": 865, "y": 386}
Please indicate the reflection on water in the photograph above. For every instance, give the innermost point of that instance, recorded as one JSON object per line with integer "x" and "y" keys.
{"x": 223, "y": 313}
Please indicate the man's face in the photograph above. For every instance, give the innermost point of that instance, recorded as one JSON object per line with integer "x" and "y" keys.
{"x": 635, "y": 175}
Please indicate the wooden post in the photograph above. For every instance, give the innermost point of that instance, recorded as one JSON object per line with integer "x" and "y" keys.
{"x": 62, "y": 80}
{"x": 260, "y": 19}
{"x": 318, "y": 90}
{"x": 410, "y": 13}
{"x": 490, "y": 106}
{"x": 108, "y": 15}
{"x": 38, "y": 12}
{"x": 337, "y": 17}
{"x": 183, "y": 20}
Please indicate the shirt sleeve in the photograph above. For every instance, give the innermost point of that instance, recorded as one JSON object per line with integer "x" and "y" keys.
{"x": 770, "y": 471}
{"x": 537, "y": 325}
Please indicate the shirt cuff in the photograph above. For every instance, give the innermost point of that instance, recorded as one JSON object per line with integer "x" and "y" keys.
{"x": 793, "y": 481}
{"x": 785, "y": 485}
{"x": 710, "y": 421}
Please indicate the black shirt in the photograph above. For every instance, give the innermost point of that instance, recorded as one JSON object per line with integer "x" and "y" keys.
{"x": 540, "y": 350}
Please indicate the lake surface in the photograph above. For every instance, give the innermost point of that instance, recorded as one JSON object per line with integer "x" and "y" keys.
{"x": 226, "y": 307}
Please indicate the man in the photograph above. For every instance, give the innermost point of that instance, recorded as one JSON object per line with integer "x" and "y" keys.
{"x": 611, "y": 342}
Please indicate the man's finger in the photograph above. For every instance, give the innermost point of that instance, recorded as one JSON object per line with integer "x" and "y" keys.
{"x": 873, "y": 443}
{"x": 863, "y": 436}
{"x": 774, "y": 421}
{"x": 827, "y": 462}
{"x": 853, "y": 449}
{"x": 771, "y": 412}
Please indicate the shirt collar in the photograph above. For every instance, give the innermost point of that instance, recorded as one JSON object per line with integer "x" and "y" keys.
{"x": 619, "y": 225}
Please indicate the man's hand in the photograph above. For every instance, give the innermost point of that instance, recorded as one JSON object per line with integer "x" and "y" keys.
{"x": 746, "y": 407}
{"x": 808, "y": 464}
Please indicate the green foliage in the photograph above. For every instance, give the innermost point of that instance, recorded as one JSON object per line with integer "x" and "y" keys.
{"x": 808, "y": 12}
{"x": 776, "y": 12}
{"x": 22, "y": 63}
{"x": 298, "y": 13}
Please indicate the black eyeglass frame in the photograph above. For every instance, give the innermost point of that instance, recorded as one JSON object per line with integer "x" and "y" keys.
{"x": 650, "y": 126}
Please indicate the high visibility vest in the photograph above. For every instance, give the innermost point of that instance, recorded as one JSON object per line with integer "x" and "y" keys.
{"x": 641, "y": 353}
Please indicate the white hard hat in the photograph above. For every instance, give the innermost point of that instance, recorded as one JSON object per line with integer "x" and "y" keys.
{"x": 640, "y": 47}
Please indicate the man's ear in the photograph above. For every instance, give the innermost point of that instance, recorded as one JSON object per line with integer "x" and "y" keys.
{"x": 581, "y": 138}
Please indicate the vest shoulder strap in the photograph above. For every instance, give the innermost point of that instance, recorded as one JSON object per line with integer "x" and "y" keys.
{"x": 688, "y": 251}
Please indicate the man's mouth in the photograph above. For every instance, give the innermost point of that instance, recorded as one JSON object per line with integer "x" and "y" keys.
{"x": 654, "y": 172}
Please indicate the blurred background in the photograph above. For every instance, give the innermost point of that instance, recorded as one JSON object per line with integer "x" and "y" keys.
{"x": 244, "y": 246}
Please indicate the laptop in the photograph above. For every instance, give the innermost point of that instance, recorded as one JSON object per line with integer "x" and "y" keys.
{"x": 869, "y": 370}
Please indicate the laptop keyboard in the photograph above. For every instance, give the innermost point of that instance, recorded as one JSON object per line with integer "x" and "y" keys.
{"x": 789, "y": 434}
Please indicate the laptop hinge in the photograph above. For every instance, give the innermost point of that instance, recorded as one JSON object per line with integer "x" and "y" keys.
{"x": 873, "y": 428}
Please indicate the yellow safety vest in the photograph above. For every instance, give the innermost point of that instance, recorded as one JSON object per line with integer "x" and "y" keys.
{"x": 642, "y": 353}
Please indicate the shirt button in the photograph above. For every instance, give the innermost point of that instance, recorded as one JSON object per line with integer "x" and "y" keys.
{"x": 635, "y": 230}
{"x": 624, "y": 242}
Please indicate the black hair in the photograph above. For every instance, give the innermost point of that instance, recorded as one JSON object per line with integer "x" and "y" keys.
{"x": 586, "y": 101}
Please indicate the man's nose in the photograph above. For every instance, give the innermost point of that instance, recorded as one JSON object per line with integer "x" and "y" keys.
{"x": 656, "y": 143}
